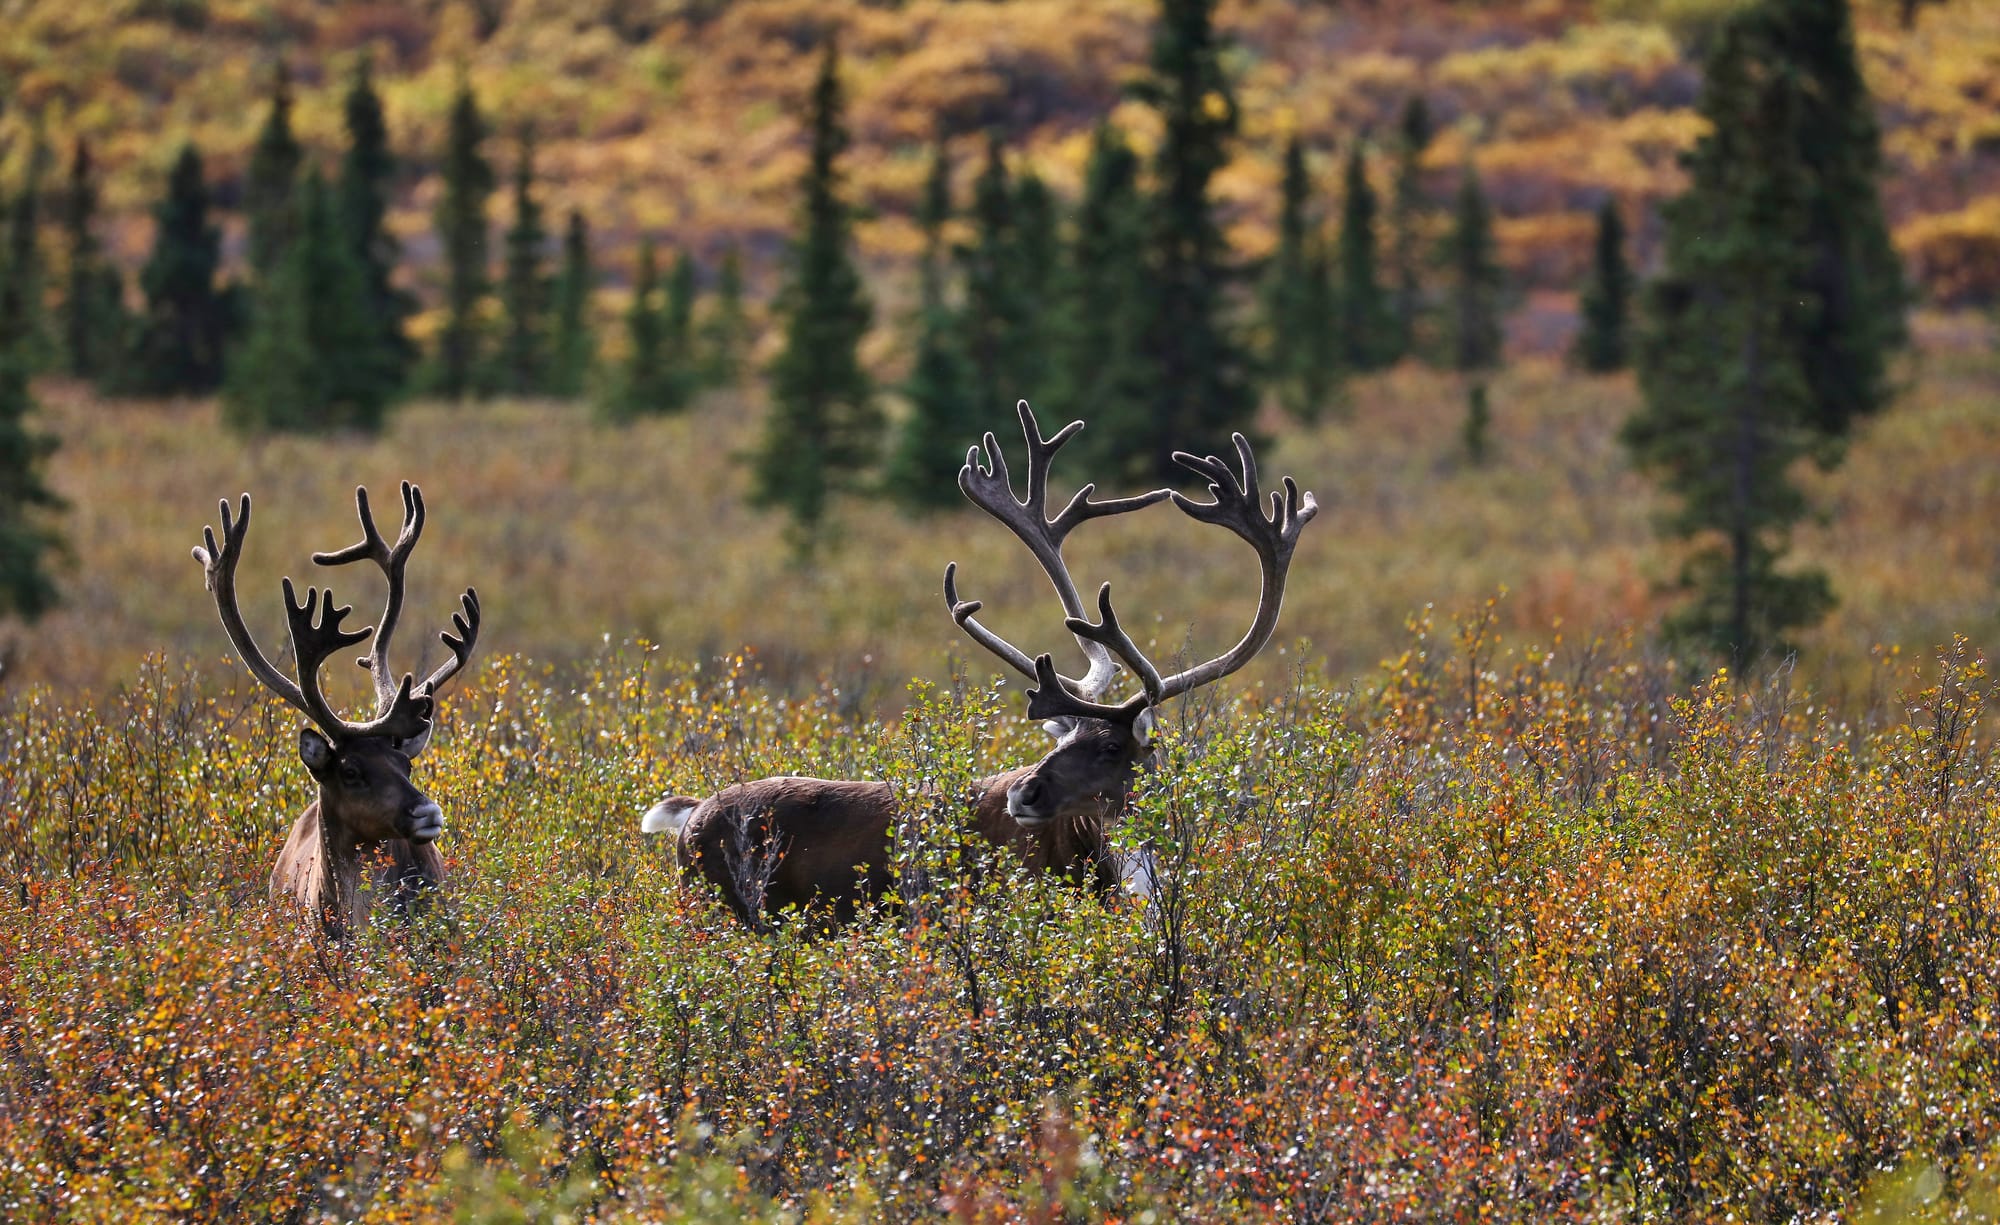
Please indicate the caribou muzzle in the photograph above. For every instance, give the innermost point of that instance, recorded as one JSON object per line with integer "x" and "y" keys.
{"x": 424, "y": 823}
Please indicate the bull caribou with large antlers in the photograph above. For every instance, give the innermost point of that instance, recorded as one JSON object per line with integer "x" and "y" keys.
{"x": 791, "y": 841}
{"x": 366, "y": 799}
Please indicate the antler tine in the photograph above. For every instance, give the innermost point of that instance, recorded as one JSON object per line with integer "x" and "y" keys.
{"x": 219, "y": 575}
{"x": 1236, "y": 507}
{"x": 1108, "y": 633}
{"x": 393, "y": 560}
{"x": 316, "y": 634}
{"x": 985, "y": 480}
{"x": 466, "y": 622}
{"x": 1052, "y": 699}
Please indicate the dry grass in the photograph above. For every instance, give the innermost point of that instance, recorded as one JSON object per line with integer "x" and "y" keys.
{"x": 575, "y": 533}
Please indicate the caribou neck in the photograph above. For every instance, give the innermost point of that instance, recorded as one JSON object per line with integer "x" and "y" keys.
{"x": 1063, "y": 846}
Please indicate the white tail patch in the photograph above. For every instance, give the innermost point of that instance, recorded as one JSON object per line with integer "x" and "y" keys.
{"x": 1139, "y": 873}
{"x": 667, "y": 816}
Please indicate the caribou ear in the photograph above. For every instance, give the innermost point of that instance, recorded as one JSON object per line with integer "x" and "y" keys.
{"x": 1060, "y": 726}
{"x": 315, "y": 750}
{"x": 1142, "y": 728}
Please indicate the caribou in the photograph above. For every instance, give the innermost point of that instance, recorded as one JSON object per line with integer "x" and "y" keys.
{"x": 793, "y": 842}
{"x": 366, "y": 803}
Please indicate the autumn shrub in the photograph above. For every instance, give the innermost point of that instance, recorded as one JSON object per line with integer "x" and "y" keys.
{"x": 1519, "y": 931}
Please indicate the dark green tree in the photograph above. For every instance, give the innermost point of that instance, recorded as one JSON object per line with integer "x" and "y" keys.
{"x": 178, "y": 349}
{"x": 1202, "y": 390}
{"x": 822, "y": 430}
{"x": 725, "y": 329}
{"x": 306, "y": 363}
{"x": 367, "y": 176}
{"x": 22, "y": 325}
{"x": 683, "y": 288}
{"x": 94, "y": 327}
{"x": 462, "y": 233}
{"x": 575, "y": 347}
{"x": 524, "y": 286}
{"x": 1478, "y": 429}
{"x": 1301, "y": 359}
{"x": 28, "y": 538}
{"x": 653, "y": 379}
{"x": 1851, "y": 276}
{"x": 994, "y": 321}
{"x": 922, "y": 471}
{"x": 1408, "y": 209}
{"x": 272, "y": 179}
{"x": 1476, "y": 279}
{"x": 1367, "y": 325}
{"x": 1102, "y": 350}
{"x": 1038, "y": 268}
{"x": 1728, "y": 407}
{"x": 1606, "y": 300}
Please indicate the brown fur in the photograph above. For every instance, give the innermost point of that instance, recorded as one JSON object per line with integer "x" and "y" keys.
{"x": 324, "y": 874}
{"x": 818, "y": 842}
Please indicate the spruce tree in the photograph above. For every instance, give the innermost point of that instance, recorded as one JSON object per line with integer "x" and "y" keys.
{"x": 1202, "y": 390}
{"x": 994, "y": 320}
{"x": 272, "y": 178}
{"x": 93, "y": 306}
{"x": 683, "y": 286}
{"x": 574, "y": 347}
{"x": 1728, "y": 405}
{"x": 178, "y": 349}
{"x": 1476, "y": 279}
{"x": 22, "y": 325}
{"x": 461, "y": 227}
{"x": 1605, "y": 302}
{"x": 1367, "y": 327}
{"x": 1852, "y": 276}
{"x": 28, "y": 538}
{"x": 1300, "y": 360}
{"x": 308, "y": 362}
{"x": 725, "y": 330}
{"x": 367, "y": 175}
{"x": 524, "y": 287}
{"x": 822, "y": 430}
{"x": 1037, "y": 264}
{"x": 652, "y": 380}
{"x": 1478, "y": 429}
{"x": 922, "y": 471}
{"x": 1102, "y": 348}
{"x": 1408, "y": 209}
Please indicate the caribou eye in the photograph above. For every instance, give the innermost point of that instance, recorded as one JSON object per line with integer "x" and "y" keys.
{"x": 351, "y": 775}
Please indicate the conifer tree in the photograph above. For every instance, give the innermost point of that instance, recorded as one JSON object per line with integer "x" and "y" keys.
{"x": 462, "y": 233}
{"x": 178, "y": 349}
{"x": 1102, "y": 350}
{"x": 367, "y": 175}
{"x": 1037, "y": 266}
{"x": 1852, "y": 276}
{"x": 683, "y": 285}
{"x": 994, "y": 320}
{"x": 822, "y": 429}
{"x": 28, "y": 538}
{"x": 652, "y": 380}
{"x": 271, "y": 181}
{"x": 1300, "y": 361}
{"x": 524, "y": 288}
{"x": 725, "y": 331}
{"x": 1476, "y": 279}
{"x": 1408, "y": 208}
{"x": 1202, "y": 390}
{"x": 93, "y": 297}
{"x": 1478, "y": 429}
{"x": 1605, "y": 302}
{"x": 1366, "y": 325}
{"x": 574, "y": 347}
{"x": 922, "y": 471}
{"x": 21, "y": 311}
{"x": 1728, "y": 406}
{"x": 307, "y": 362}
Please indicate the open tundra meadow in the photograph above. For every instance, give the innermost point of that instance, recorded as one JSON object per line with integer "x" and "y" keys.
{"x": 1494, "y": 913}
{"x": 1608, "y": 832}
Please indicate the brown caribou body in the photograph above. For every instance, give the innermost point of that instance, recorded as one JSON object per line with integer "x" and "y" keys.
{"x": 367, "y": 840}
{"x": 777, "y": 843}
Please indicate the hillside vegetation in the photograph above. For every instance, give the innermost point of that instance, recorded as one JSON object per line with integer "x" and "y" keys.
{"x": 682, "y": 120}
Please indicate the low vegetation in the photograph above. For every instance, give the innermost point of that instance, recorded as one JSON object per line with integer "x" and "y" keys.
{"x": 1502, "y": 931}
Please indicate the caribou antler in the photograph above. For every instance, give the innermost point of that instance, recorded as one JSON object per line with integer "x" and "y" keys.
{"x": 985, "y": 481}
{"x": 1236, "y": 506}
{"x": 392, "y": 561}
{"x": 316, "y": 634}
